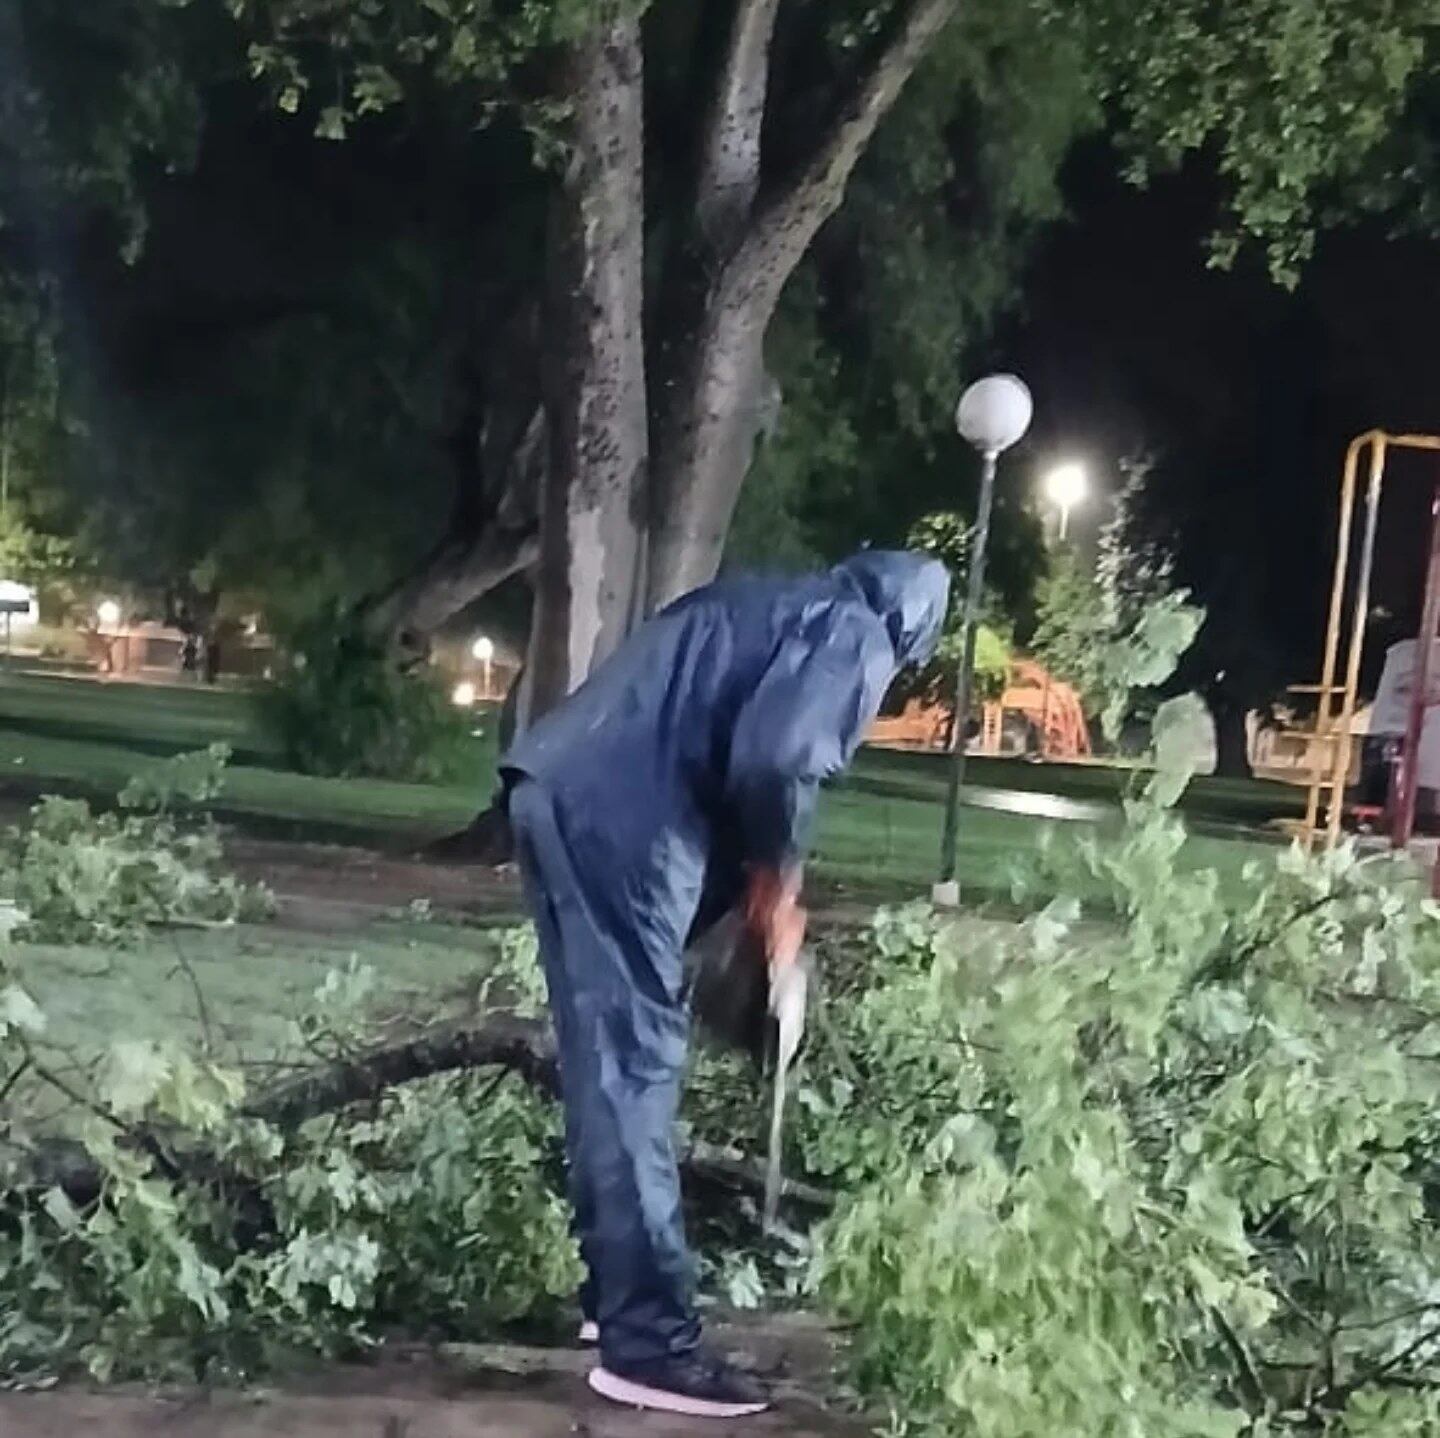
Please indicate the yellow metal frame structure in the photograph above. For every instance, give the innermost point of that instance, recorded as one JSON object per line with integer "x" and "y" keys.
{"x": 1332, "y": 725}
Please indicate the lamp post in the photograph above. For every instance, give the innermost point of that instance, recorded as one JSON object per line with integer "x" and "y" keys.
{"x": 484, "y": 650}
{"x": 993, "y": 414}
{"x": 108, "y": 615}
{"x": 1066, "y": 486}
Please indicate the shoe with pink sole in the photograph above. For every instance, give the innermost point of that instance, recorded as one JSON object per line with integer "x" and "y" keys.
{"x": 697, "y": 1385}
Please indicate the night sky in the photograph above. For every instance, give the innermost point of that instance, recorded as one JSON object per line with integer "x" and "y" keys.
{"x": 1245, "y": 394}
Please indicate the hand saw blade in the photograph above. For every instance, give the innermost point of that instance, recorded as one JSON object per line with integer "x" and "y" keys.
{"x": 789, "y": 994}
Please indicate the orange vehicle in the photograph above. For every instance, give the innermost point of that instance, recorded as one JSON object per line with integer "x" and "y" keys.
{"x": 1037, "y": 714}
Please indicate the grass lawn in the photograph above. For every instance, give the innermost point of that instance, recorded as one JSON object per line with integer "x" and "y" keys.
{"x": 254, "y": 982}
{"x": 92, "y": 737}
{"x": 878, "y": 841}
{"x": 1210, "y": 801}
{"x": 879, "y": 834}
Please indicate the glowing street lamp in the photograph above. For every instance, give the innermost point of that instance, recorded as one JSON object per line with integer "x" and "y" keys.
{"x": 484, "y": 650}
{"x": 108, "y": 613}
{"x": 993, "y": 414}
{"x": 463, "y": 696}
{"x": 1066, "y": 486}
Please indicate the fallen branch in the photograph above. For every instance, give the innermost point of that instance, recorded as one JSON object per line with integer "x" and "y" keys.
{"x": 501, "y": 1041}
{"x": 520, "y": 1046}
{"x": 729, "y": 1168}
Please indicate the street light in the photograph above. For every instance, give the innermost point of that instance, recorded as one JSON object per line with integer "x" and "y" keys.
{"x": 484, "y": 650}
{"x": 108, "y": 613}
{"x": 1066, "y": 486}
{"x": 993, "y": 414}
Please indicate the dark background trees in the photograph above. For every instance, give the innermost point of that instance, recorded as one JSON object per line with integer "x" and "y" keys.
{"x": 415, "y": 304}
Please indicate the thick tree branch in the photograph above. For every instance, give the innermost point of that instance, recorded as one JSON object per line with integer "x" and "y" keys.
{"x": 790, "y": 217}
{"x": 455, "y": 573}
{"x": 520, "y": 1046}
{"x": 730, "y": 158}
{"x": 711, "y": 407}
{"x": 479, "y": 553}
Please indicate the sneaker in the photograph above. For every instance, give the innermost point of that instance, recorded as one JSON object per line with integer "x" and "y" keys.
{"x": 698, "y": 1385}
{"x": 589, "y": 1333}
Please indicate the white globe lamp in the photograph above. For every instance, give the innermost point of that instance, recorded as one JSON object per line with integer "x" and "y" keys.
{"x": 995, "y": 413}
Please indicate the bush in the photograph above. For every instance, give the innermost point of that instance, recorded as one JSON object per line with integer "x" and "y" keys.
{"x": 430, "y": 1206}
{"x": 341, "y": 707}
{"x": 1174, "y": 1177}
{"x": 74, "y": 877}
{"x": 1161, "y": 1165}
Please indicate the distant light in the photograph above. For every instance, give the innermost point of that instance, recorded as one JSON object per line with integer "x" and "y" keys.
{"x": 464, "y": 694}
{"x": 1066, "y": 485}
{"x": 483, "y": 649}
{"x": 108, "y": 612}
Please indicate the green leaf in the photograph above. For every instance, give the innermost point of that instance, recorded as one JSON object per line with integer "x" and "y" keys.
{"x": 332, "y": 123}
{"x": 63, "y": 1213}
{"x": 135, "y": 1071}
{"x": 19, "y": 1011}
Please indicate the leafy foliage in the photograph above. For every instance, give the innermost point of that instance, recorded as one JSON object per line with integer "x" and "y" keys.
{"x": 385, "y": 51}
{"x": 341, "y": 707}
{"x": 1177, "y": 1175}
{"x": 432, "y": 1203}
{"x": 1163, "y": 1161}
{"x": 73, "y": 876}
{"x": 129, "y": 92}
{"x": 879, "y": 326}
{"x": 947, "y": 536}
{"x": 30, "y": 425}
{"x": 1287, "y": 137}
{"x": 1118, "y": 628}
{"x": 30, "y": 556}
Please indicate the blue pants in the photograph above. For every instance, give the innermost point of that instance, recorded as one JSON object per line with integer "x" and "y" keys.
{"x": 614, "y": 970}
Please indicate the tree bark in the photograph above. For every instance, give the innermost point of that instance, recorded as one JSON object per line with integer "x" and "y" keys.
{"x": 706, "y": 431}
{"x": 615, "y": 538}
{"x": 499, "y": 457}
{"x": 462, "y": 568}
{"x": 588, "y": 574}
{"x": 523, "y": 1047}
{"x": 1232, "y": 758}
{"x": 730, "y": 158}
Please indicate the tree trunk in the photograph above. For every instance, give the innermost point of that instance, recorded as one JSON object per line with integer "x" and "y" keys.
{"x": 1232, "y": 758}
{"x": 457, "y": 572}
{"x": 588, "y": 574}
{"x": 499, "y": 456}
{"x": 613, "y": 543}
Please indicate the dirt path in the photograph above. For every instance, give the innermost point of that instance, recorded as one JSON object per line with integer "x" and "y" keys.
{"x": 490, "y": 1392}
{"x": 331, "y": 887}
{"x": 562, "y": 1411}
